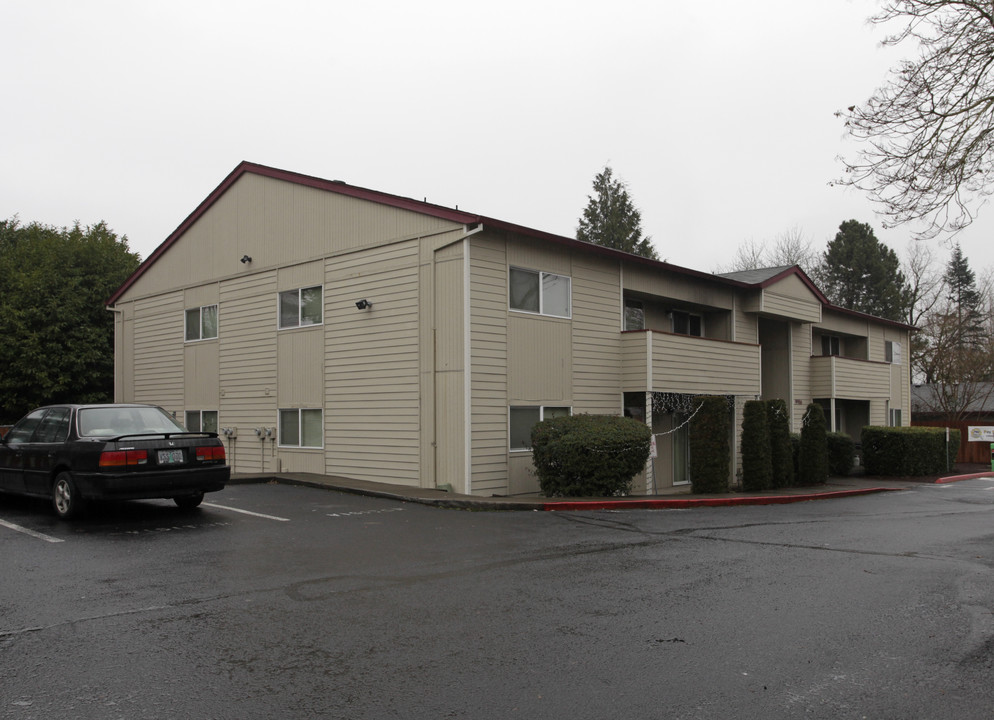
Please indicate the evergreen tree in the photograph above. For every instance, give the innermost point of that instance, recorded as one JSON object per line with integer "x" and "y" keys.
{"x": 965, "y": 301}
{"x": 757, "y": 463}
{"x": 612, "y": 220}
{"x": 859, "y": 272}
{"x": 58, "y": 337}
{"x": 813, "y": 460}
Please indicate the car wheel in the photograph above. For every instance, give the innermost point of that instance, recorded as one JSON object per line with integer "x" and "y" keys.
{"x": 188, "y": 502}
{"x": 66, "y": 499}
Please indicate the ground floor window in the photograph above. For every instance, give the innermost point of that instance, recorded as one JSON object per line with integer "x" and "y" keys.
{"x": 523, "y": 418}
{"x": 302, "y": 428}
{"x": 895, "y": 417}
{"x": 201, "y": 420}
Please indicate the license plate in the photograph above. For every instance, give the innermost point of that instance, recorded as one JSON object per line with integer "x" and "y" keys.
{"x": 170, "y": 457}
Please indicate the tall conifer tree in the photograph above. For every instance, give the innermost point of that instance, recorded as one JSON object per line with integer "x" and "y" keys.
{"x": 611, "y": 218}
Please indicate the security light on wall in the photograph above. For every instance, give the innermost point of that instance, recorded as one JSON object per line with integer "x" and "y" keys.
{"x": 363, "y": 304}
{"x": 246, "y": 259}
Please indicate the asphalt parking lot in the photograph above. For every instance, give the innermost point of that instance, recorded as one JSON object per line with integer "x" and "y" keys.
{"x": 298, "y": 602}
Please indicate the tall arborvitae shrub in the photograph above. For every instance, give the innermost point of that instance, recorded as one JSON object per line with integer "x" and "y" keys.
{"x": 841, "y": 454}
{"x": 757, "y": 467}
{"x": 710, "y": 446}
{"x": 781, "y": 452}
{"x": 814, "y": 447}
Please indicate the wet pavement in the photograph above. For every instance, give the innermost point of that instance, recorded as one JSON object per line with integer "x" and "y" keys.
{"x": 676, "y": 497}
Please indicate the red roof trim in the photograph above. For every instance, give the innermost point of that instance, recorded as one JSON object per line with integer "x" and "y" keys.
{"x": 334, "y": 186}
{"x": 464, "y": 218}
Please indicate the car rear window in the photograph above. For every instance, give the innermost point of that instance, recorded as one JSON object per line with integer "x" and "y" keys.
{"x": 112, "y": 421}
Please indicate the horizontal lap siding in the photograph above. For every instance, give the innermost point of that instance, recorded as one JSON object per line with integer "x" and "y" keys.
{"x": 247, "y": 366}
{"x": 859, "y": 379}
{"x": 696, "y": 365}
{"x": 596, "y": 345}
{"x": 489, "y": 381}
{"x": 795, "y": 308}
{"x": 634, "y": 361}
{"x": 372, "y": 365}
{"x": 158, "y": 348}
{"x": 853, "y": 379}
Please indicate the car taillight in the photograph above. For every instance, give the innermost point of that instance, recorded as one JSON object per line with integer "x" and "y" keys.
{"x": 213, "y": 452}
{"x": 121, "y": 458}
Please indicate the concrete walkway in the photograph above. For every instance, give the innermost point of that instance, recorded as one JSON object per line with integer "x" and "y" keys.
{"x": 680, "y": 497}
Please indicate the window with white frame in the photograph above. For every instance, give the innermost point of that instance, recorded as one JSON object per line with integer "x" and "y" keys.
{"x": 892, "y": 352}
{"x": 523, "y": 419}
{"x": 201, "y": 420}
{"x": 201, "y": 323}
{"x": 895, "y": 417}
{"x": 301, "y": 427}
{"x": 539, "y": 292}
{"x": 301, "y": 307}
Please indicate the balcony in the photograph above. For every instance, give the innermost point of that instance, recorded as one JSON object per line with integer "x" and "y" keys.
{"x": 834, "y": 376}
{"x": 666, "y": 362}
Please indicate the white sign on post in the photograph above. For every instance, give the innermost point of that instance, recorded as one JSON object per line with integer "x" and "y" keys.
{"x": 980, "y": 433}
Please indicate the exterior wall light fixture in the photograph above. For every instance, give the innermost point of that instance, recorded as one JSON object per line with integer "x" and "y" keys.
{"x": 246, "y": 259}
{"x": 363, "y": 304}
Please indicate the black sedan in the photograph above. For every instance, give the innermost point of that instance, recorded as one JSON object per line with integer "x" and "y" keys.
{"x": 76, "y": 453}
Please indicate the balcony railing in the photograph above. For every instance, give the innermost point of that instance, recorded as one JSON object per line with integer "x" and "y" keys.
{"x": 834, "y": 376}
{"x": 666, "y": 362}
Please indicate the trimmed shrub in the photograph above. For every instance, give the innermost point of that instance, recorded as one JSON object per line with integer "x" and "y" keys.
{"x": 757, "y": 467}
{"x": 795, "y": 453}
{"x": 781, "y": 452}
{"x": 710, "y": 446}
{"x": 908, "y": 450}
{"x": 589, "y": 455}
{"x": 841, "y": 453}
{"x": 813, "y": 461}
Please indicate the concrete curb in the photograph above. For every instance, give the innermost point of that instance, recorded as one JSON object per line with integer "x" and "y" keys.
{"x": 957, "y": 478}
{"x": 677, "y": 503}
{"x": 442, "y": 499}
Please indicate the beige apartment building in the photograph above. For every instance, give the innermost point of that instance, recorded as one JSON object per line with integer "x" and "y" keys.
{"x": 325, "y": 328}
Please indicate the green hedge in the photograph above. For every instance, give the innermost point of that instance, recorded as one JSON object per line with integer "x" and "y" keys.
{"x": 757, "y": 465}
{"x": 841, "y": 453}
{"x": 908, "y": 450}
{"x": 589, "y": 455}
{"x": 710, "y": 446}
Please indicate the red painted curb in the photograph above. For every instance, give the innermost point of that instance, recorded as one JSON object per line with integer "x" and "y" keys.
{"x": 957, "y": 478}
{"x": 657, "y": 503}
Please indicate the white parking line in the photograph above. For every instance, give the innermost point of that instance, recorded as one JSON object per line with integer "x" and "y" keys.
{"x": 32, "y": 533}
{"x": 246, "y": 512}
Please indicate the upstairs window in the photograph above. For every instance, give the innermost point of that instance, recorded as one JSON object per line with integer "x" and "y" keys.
{"x": 830, "y": 345}
{"x": 685, "y": 323}
{"x": 892, "y": 352}
{"x": 634, "y": 315}
{"x": 301, "y": 307}
{"x": 201, "y": 323}
{"x": 539, "y": 292}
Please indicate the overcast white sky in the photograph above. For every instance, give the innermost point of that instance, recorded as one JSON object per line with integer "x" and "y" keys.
{"x": 719, "y": 114}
